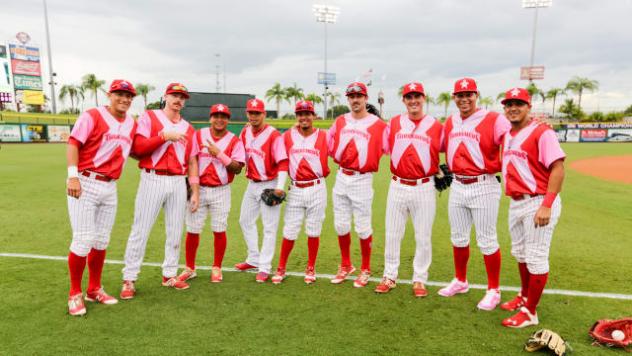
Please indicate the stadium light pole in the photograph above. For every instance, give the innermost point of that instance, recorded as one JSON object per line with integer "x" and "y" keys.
{"x": 50, "y": 61}
{"x": 325, "y": 14}
{"x": 534, "y": 4}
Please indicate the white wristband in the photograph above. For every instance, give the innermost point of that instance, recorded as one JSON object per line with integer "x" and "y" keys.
{"x": 73, "y": 172}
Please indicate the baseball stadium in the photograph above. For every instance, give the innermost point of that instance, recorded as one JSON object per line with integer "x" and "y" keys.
{"x": 365, "y": 213}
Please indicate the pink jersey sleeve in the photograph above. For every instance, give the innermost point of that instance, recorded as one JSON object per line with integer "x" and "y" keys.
{"x": 239, "y": 153}
{"x": 278, "y": 149}
{"x": 82, "y": 128}
{"x": 501, "y": 127}
{"x": 386, "y": 147}
{"x": 144, "y": 125}
{"x": 549, "y": 148}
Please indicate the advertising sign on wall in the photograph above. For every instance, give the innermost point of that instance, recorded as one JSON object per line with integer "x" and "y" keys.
{"x": 27, "y": 82}
{"x": 561, "y": 135}
{"x": 26, "y": 67}
{"x": 58, "y": 133}
{"x": 572, "y": 135}
{"x": 593, "y": 135}
{"x": 619, "y": 135}
{"x": 33, "y": 133}
{"x": 10, "y": 133}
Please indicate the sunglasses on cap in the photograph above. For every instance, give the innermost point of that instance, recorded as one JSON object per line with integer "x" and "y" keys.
{"x": 355, "y": 89}
{"x": 466, "y": 94}
{"x": 179, "y": 87}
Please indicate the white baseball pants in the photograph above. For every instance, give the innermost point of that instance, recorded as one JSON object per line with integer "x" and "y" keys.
{"x": 213, "y": 200}
{"x": 309, "y": 203}
{"x": 353, "y": 196}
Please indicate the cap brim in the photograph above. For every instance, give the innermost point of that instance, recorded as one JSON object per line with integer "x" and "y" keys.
{"x": 516, "y": 99}
{"x": 125, "y": 90}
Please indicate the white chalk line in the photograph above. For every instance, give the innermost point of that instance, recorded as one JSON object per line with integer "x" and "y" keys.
{"x": 574, "y": 293}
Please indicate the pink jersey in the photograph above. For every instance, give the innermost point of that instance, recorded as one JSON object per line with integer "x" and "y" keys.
{"x": 308, "y": 155}
{"x": 527, "y": 158}
{"x": 473, "y": 144}
{"x": 212, "y": 172}
{"x": 264, "y": 151}
{"x": 358, "y": 144}
{"x": 414, "y": 146}
{"x": 172, "y": 157}
{"x": 104, "y": 141}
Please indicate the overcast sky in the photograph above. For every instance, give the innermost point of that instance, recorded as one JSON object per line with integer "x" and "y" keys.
{"x": 263, "y": 42}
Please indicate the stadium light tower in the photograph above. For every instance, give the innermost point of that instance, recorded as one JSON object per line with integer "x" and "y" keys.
{"x": 535, "y": 4}
{"x": 326, "y": 14}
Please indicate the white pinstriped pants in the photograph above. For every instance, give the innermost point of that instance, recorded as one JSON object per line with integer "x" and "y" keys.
{"x": 251, "y": 207}
{"x": 308, "y": 202}
{"x": 353, "y": 196}
{"x": 213, "y": 200}
{"x": 419, "y": 202}
{"x": 477, "y": 202}
{"x": 154, "y": 193}
{"x": 531, "y": 244}
{"x": 92, "y": 215}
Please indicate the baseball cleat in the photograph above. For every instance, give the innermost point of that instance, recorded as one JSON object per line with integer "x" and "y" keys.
{"x": 490, "y": 300}
{"x": 243, "y": 266}
{"x": 173, "y": 282}
{"x": 128, "y": 291}
{"x": 523, "y": 319}
{"x": 455, "y": 287}
{"x": 76, "y": 306}
{"x": 514, "y": 304}
{"x": 343, "y": 273}
{"x": 100, "y": 296}
{"x": 385, "y": 286}
{"x": 363, "y": 279}
{"x": 310, "y": 275}
{"x": 262, "y": 277}
{"x": 187, "y": 274}
{"x": 419, "y": 290}
{"x": 216, "y": 275}
{"x": 279, "y": 276}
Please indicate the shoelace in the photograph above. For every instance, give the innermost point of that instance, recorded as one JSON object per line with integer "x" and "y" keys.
{"x": 75, "y": 301}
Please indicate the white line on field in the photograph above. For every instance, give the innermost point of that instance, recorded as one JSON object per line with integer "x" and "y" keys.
{"x": 574, "y": 293}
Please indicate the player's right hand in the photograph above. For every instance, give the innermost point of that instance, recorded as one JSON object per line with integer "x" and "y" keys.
{"x": 173, "y": 136}
{"x": 212, "y": 148}
{"x": 73, "y": 187}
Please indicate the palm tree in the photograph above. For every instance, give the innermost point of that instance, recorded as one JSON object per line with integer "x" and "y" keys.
{"x": 429, "y": 100}
{"x": 486, "y": 101}
{"x": 532, "y": 89}
{"x": 334, "y": 99}
{"x": 500, "y": 96}
{"x": 577, "y": 85}
{"x": 552, "y": 94}
{"x": 73, "y": 92}
{"x": 277, "y": 94}
{"x": 143, "y": 89}
{"x": 444, "y": 99}
{"x": 314, "y": 98}
{"x": 90, "y": 82}
{"x": 294, "y": 93}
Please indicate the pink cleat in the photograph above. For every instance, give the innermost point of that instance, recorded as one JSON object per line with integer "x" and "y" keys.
{"x": 455, "y": 287}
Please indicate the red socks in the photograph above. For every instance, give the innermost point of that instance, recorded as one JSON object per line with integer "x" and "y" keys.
{"x": 191, "y": 246}
{"x": 461, "y": 256}
{"x": 96, "y": 259}
{"x": 76, "y": 265}
{"x": 492, "y": 266}
{"x": 524, "y": 279}
{"x": 536, "y": 286}
{"x": 286, "y": 248}
{"x": 344, "y": 241}
{"x": 312, "y": 250}
{"x": 219, "y": 245}
{"x": 365, "y": 248}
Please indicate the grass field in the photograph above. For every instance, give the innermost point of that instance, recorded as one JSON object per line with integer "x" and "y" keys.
{"x": 590, "y": 252}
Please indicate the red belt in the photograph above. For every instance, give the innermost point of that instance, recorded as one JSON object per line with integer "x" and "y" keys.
{"x": 162, "y": 172}
{"x": 305, "y": 184}
{"x": 350, "y": 172}
{"x": 412, "y": 182}
{"x": 96, "y": 176}
{"x": 471, "y": 180}
{"x": 519, "y": 197}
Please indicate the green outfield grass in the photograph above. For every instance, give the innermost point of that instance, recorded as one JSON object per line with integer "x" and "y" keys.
{"x": 590, "y": 252}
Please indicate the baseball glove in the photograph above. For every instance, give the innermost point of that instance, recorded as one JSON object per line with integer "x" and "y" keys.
{"x": 271, "y": 198}
{"x": 602, "y": 333}
{"x": 443, "y": 178}
{"x": 545, "y": 338}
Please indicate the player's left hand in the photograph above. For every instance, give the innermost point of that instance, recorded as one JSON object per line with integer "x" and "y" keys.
{"x": 73, "y": 187}
{"x": 212, "y": 149}
{"x": 542, "y": 216}
{"x": 194, "y": 202}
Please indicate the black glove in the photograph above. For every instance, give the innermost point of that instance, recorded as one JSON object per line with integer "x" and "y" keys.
{"x": 271, "y": 198}
{"x": 443, "y": 178}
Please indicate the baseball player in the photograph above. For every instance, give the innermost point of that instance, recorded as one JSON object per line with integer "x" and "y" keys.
{"x": 166, "y": 145}
{"x": 98, "y": 147}
{"x": 266, "y": 168}
{"x": 415, "y": 140}
{"x": 473, "y": 137}
{"x": 307, "y": 151}
{"x": 357, "y": 140}
{"x": 222, "y": 157}
{"x": 533, "y": 171}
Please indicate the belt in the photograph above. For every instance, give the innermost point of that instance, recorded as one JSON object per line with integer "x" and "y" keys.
{"x": 519, "y": 197}
{"x": 161, "y": 172}
{"x": 412, "y": 182}
{"x": 473, "y": 179}
{"x": 350, "y": 172}
{"x": 96, "y": 176}
{"x": 305, "y": 184}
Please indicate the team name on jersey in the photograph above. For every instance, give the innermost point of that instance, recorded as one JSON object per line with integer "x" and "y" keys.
{"x": 116, "y": 137}
{"x": 310, "y": 151}
{"x": 255, "y": 151}
{"x": 413, "y": 136}
{"x": 466, "y": 134}
{"x": 355, "y": 133}
{"x": 515, "y": 153}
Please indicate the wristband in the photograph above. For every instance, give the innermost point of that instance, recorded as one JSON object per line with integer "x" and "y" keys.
{"x": 549, "y": 198}
{"x": 281, "y": 180}
{"x": 194, "y": 180}
{"x": 224, "y": 158}
{"x": 73, "y": 172}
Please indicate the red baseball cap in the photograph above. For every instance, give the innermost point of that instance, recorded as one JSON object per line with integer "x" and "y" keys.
{"x": 122, "y": 85}
{"x": 220, "y": 109}
{"x": 356, "y": 88}
{"x": 517, "y": 94}
{"x": 414, "y": 87}
{"x": 255, "y": 105}
{"x": 465, "y": 85}
{"x": 304, "y": 105}
{"x": 177, "y": 88}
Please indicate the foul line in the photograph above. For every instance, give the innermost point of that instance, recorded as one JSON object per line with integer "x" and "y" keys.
{"x": 574, "y": 293}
